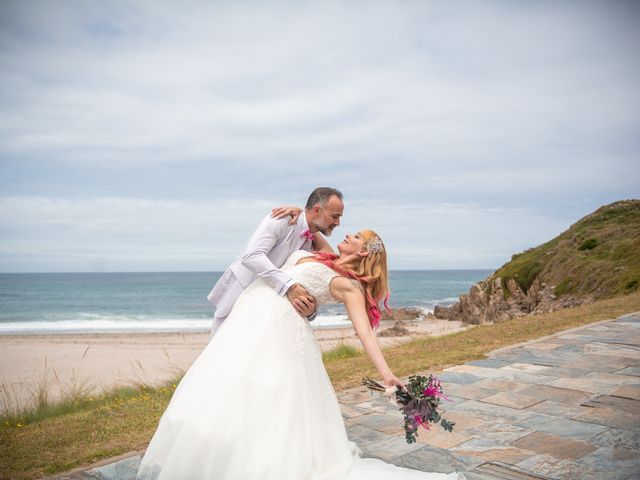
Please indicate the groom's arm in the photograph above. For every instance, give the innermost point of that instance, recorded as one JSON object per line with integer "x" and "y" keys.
{"x": 260, "y": 244}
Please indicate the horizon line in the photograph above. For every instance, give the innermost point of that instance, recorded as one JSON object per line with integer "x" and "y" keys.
{"x": 222, "y": 271}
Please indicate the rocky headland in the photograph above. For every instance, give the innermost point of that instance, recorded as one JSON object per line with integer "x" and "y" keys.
{"x": 597, "y": 257}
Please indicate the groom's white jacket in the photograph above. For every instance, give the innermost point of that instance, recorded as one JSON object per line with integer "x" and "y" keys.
{"x": 264, "y": 254}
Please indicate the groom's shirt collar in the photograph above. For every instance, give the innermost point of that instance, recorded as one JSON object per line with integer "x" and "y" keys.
{"x": 305, "y": 225}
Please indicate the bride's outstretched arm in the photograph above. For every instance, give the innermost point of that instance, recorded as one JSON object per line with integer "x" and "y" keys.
{"x": 353, "y": 298}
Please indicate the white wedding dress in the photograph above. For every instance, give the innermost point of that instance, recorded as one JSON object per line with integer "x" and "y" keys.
{"x": 258, "y": 404}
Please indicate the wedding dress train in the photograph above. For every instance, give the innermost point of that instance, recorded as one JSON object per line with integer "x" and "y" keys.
{"x": 258, "y": 404}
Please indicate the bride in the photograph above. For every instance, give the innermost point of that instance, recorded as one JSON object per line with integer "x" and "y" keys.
{"x": 258, "y": 404}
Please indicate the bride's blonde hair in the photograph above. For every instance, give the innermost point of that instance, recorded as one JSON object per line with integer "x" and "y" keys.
{"x": 371, "y": 272}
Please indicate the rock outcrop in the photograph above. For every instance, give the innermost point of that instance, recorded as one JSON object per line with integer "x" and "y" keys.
{"x": 405, "y": 313}
{"x": 487, "y": 302}
{"x": 398, "y": 330}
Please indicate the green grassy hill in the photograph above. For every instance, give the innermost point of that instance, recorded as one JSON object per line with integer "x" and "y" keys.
{"x": 598, "y": 256}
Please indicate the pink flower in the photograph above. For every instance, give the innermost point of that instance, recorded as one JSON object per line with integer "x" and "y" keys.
{"x": 431, "y": 391}
{"x": 419, "y": 422}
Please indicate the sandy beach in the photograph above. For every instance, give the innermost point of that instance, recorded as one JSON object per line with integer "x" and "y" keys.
{"x": 96, "y": 362}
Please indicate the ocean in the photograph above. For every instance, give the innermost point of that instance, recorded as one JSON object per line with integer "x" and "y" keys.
{"x": 173, "y": 301}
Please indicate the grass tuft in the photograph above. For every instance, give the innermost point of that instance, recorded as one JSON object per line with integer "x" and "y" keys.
{"x": 340, "y": 352}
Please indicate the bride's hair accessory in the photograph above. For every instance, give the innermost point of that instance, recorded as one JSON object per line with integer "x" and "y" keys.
{"x": 374, "y": 245}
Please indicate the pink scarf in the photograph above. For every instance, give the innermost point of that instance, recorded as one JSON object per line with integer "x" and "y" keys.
{"x": 373, "y": 311}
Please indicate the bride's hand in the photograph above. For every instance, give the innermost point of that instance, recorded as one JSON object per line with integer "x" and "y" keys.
{"x": 391, "y": 380}
{"x": 281, "y": 212}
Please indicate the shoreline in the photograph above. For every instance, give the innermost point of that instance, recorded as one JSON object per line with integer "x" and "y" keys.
{"x": 67, "y": 363}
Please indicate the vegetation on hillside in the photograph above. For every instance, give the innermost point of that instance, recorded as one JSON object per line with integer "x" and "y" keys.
{"x": 599, "y": 256}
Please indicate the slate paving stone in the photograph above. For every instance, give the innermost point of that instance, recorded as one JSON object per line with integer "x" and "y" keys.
{"x": 579, "y": 338}
{"x": 453, "y": 377}
{"x": 363, "y": 435}
{"x": 555, "y": 409}
{"x": 381, "y": 405}
{"x": 628, "y": 371}
{"x": 479, "y": 448}
{"x": 555, "y": 445}
{"x": 584, "y": 384}
{"x": 627, "y": 391}
{"x": 123, "y": 470}
{"x": 354, "y": 397}
{"x": 618, "y": 462}
{"x": 565, "y": 372}
{"x": 349, "y": 412}
{"x": 512, "y": 399}
{"x": 544, "y": 346}
{"x": 382, "y": 423}
{"x": 489, "y": 363}
{"x": 551, "y": 467}
{"x": 620, "y": 403}
{"x": 488, "y": 411}
{"x": 429, "y": 459}
{"x": 464, "y": 422}
{"x": 529, "y": 357}
{"x": 499, "y": 471}
{"x": 498, "y": 432}
{"x": 468, "y": 392}
{"x": 502, "y": 385}
{"x": 613, "y": 378}
{"x": 558, "y": 394}
{"x": 610, "y": 417}
{"x": 482, "y": 372}
{"x": 562, "y": 426}
{"x": 602, "y": 364}
{"x": 508, "y": 375}
{"x": 90, "y": 475}
{"x": 610, "y": 350}
{"x": 451, "y": 399}
{"x": 530, "y": 368}
{"x": 390, "y": 447}
{"x": 618, "y": 438}
{"x": 569, "y": 348}
{"x": 440, "y": 438}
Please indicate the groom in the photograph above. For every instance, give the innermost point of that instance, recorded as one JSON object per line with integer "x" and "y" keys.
{"x": 268, "y": 249}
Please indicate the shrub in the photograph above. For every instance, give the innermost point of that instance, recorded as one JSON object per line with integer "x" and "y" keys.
{"x": 588, "y": 244}
{"x": 632, "y": 285}
{"x": 564, "y": 287}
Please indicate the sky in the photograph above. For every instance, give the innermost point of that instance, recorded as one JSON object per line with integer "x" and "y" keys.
{"x": 155, "y": 135}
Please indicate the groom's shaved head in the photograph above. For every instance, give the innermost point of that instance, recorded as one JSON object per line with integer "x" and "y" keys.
{"x": 324, "y": 209}
{"x": 321, "y": 195}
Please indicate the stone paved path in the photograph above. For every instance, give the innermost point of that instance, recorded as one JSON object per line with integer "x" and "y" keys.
{"x": 565, "y": 406}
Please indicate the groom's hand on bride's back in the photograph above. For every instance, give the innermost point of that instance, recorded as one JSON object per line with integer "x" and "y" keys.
{"x": 304, "y": 303}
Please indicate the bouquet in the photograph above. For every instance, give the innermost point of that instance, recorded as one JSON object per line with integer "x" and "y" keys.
{"x": 419, "y": 403}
